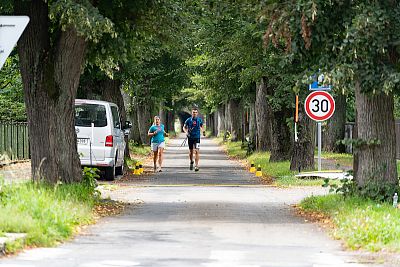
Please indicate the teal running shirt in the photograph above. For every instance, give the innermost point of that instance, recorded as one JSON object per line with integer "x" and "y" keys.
{"x": 159, "y": 137}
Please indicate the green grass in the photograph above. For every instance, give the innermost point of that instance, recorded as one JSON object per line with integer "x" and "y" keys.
{"x": 139, "y": 150}
{"x": 340, "y": 158}
{"x": 47, "y": 214}
{"x": 358, "y": 222}
{"x": 279, "y": 171}
{"x": 234, "y": 149}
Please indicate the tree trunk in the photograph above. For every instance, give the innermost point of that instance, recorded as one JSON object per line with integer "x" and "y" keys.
{"x": 144, "y": 117}
{"x": 163, "y": 115}
{"x": 50, "y": 73}
{"x": 303, "y": 149}
{"x": 132, "y": 117}
{"x": 281, "y": 145}
{"x": 227, "y": 116}
{"x": 252, "y": 124}
{"x": 135, "y": 133}
{"x": 170, "y": 121}
{"x": 375, "y": 121}
{"x": 221, "y": 121}
{"x": 235, "y": 119}
{"x": 209, "y": 122}
{"x": 335, "y": 128}
{"x": 215, "y": 125}
{"x": 263, "y": 117}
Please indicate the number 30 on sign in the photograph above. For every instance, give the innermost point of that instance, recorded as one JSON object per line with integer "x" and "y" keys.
{"x": 319, "y": 105}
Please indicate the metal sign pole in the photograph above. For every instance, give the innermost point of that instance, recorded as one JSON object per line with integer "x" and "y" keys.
{"x": 319, "y": 146}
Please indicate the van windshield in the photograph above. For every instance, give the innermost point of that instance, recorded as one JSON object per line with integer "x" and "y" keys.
{"x": 85, "y": 114}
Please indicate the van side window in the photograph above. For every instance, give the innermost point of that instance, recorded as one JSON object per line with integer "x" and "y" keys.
{"x": 115, "y": 116}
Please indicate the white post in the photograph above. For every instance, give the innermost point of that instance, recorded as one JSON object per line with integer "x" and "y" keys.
{"x": 91, "y": 141}
{"x": 319, "y": 146}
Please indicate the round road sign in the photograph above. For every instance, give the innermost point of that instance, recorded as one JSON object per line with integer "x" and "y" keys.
{"x": 319, "y": 105}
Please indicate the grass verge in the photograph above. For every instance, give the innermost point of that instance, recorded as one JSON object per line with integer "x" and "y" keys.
{"x": 360, "y": 223}
{"x": 277, "y": 173}
{"x": 341, "y": 159}
{"x": 47, "y": 214}
{"x": 139, "y": 150}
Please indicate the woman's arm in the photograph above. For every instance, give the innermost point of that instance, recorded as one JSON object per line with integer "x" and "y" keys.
{"x": 149, "y": 133}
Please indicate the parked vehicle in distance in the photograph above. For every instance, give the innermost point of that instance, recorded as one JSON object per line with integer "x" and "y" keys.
{"x": 100, "y": 136}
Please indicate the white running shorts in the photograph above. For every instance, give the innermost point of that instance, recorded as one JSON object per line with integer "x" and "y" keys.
{"x": 155, "y": 146}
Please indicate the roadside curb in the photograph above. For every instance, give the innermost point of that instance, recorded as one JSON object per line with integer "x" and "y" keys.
{"x": 10, "y": 239}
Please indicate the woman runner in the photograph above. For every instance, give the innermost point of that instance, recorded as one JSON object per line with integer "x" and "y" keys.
{"x": 157, "y": 134}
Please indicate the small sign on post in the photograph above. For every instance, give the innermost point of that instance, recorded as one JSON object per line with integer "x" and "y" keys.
{"x": 319, "y": 106}
{"x": 11, "y": 28}
{"x": 319, "y": 84}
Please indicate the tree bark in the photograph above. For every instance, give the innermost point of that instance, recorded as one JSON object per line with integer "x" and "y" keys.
{"x": 144, "y": 117}
{"x": 227, "y": 116}
{"x": 235, "y": 119}
{"x": 303, "y": 149}
{"x": 50, "y": 72}
{"x": 163, "y": 115}
{"x": 209, "y": 122}
{"x": 375, "y": 121}
{"x": 281, "y": 145}
{"x": 335, "y": 128}
{"x": 263, "y": 117}
{"x": 215, "y": 125}
{"x": 252, "y": 124}
{"x": 170, "y": 121}
{"x": 135, "y": 134}
{"x": 221, "y": 121}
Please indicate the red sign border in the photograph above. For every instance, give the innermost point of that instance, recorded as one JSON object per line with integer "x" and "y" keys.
{"x": 330, "y": 99}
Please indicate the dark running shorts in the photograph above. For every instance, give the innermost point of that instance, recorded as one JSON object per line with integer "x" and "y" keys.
{"x": 194, "y": 143}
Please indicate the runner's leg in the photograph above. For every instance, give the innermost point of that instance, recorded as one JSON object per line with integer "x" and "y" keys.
{"x": 197, "y": 156}
{"x": 191, "y": 146}
{"x": 160, "y": 156}
{"x": 155, "y": 156}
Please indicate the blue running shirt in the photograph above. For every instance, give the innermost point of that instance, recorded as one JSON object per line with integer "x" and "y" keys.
{"x": 193, "y": 125}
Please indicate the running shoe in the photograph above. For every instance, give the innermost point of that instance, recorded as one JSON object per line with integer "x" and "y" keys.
{"x": 196, "y": 169}
{"x": 191, "y": 165}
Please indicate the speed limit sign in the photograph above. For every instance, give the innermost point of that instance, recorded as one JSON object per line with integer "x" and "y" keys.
{"x": 319, "y": 105}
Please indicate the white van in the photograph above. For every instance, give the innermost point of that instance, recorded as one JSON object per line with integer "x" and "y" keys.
{"x": 100, "y": 136}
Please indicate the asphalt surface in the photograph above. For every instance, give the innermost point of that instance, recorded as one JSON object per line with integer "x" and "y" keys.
{"x": 220, "y": 216}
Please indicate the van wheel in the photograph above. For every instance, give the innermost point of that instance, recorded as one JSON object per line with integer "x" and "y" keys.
{"x": 110, "y": 173}
{"x": 119, "y": 170}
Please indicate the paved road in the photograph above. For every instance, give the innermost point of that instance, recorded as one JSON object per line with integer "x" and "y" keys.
{"x": 220, "y": 216}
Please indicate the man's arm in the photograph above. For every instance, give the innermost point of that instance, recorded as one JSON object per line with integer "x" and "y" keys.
{"x": 185, "y": 127}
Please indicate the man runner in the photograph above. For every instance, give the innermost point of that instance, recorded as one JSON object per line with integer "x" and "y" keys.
{"x": 192, "y": 128}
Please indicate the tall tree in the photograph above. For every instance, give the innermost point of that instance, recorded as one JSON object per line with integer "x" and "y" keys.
{"x": 51, "y": 55}
{"x": 357, "y": 43}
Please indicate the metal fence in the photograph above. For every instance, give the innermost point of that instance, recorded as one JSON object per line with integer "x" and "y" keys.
{"x": 14, "y": 142}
